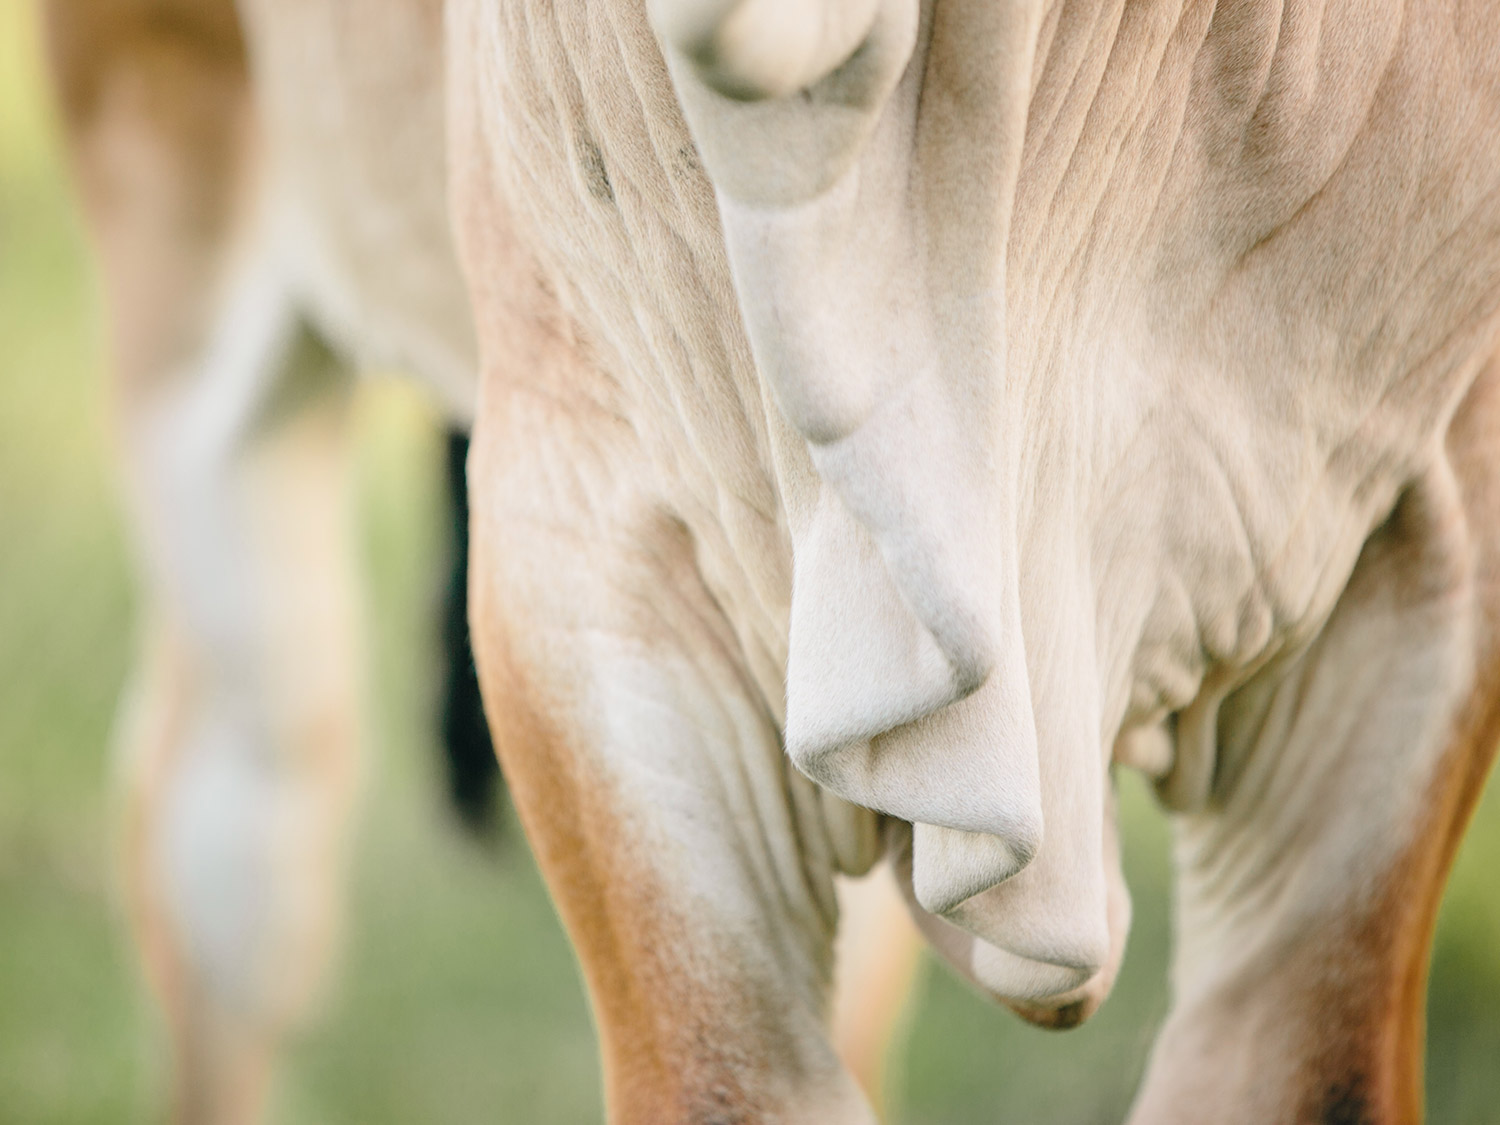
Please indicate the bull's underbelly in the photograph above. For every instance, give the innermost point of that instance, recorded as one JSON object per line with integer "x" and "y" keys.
{"x": 394, "y": 307}
{"x": 351, "y": 97}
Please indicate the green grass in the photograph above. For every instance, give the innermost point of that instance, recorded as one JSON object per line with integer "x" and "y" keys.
{"x": 457, "y": 999}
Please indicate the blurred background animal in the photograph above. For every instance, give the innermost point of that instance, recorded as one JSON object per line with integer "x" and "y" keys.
{"x": 265, "y": 190}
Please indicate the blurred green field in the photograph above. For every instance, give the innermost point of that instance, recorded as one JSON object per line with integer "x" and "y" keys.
{"x": 458, "y": 999}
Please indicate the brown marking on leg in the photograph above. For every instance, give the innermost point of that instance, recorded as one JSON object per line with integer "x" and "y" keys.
{"x": 1370, "y": 994}
{"x": 1378, "y": 1071}
{"x": 666, "y": 1018}
{"x": 661, "y": 1058}
{"x": 1376, "y": 1075}
{"x": 1383, "y": 1082}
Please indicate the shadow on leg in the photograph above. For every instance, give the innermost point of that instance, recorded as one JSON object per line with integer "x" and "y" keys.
{"x": 474, "y": 782}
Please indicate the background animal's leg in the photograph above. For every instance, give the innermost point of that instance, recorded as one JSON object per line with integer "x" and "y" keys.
{"x": 1309, "y": 889}
{"x": 686, "y": 857}
{"x": 239, "y": 737}
{"x": 878, "y": 952}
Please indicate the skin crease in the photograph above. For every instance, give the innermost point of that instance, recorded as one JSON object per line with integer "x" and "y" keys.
{"x": 1050, "y": 385}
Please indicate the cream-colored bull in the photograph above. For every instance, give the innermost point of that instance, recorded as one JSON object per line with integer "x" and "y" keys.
{"x": 916, "y": 407}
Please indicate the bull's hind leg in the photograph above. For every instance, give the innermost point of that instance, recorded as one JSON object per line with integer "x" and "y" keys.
{"x": 689, "y": 865}
{"x": 878, "y": 951}
{"x": 1310, "y": 887}
{"x": 239, "y": 735}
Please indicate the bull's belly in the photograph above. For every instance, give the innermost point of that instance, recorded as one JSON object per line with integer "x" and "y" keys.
{"x": 387, "y": 304}
{"x": 351, "y": 98}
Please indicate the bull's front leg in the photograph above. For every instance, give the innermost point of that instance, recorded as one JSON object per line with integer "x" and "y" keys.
{"x": 1310, "y": 885}
{"x": 681, "y": 851}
